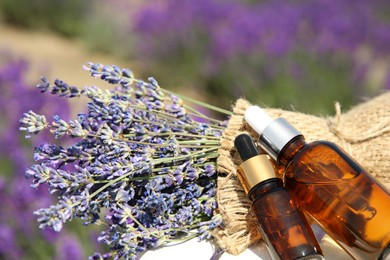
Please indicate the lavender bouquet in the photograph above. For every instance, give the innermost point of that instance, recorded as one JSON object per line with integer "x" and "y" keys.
{"x": 143, "y": 165}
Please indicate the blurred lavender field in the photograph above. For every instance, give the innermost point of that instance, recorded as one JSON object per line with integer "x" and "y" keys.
{"x": 301, "y": 55}
{"x": 19, "y": 233}
{"x": 307, "y": 54}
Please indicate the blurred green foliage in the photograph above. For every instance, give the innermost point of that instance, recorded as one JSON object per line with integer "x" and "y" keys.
{"x": 105, "y": 30}
{"x": 297, "y": 82}
{"x": 62, "y": 16}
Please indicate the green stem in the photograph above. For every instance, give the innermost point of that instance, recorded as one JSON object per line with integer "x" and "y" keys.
{"x": 200, "y": 103}
{"x": 182, "y": 240}
{"x": 157, "y": 112}
{"x": 140, "y": 178}
{"x": 104, "y": 187}
{"x": 192, "y": 155}
{"x": 176, "y": 134}
{"x": 215, "y": 142}
{"x": 201, "y": 115}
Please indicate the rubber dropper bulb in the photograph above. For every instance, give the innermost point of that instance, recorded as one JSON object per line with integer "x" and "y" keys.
{"x": 257, "y": 118}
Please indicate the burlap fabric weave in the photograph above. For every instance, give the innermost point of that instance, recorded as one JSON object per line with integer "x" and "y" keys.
{"x": 363, "y": 132}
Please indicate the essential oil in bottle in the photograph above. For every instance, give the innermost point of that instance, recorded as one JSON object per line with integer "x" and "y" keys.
{"x": 330, "y": 186}
{"x": 283, "y": 226}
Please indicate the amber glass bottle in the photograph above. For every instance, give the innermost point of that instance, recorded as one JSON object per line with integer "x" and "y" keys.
{"x": 332, "y": 188}
{"x": 282, "y": 225}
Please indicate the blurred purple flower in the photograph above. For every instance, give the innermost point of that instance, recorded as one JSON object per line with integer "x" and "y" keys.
{"x": 260, "y": 48}
{"x": 9, "y": 248}
{"x": 69, "y": 248}
{"x": 17, "y": 97}
{"x": 274, "y": 27}
{"x": 18, "y": 225}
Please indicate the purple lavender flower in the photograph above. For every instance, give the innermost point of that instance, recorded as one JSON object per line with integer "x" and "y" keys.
{"x": 140, "y": 159}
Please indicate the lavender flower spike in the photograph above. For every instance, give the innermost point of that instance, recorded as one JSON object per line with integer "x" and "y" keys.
{"x": 32, "y": 123}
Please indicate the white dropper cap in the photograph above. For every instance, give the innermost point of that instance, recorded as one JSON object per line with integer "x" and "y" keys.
{"x": 257, "y": 118}
{"x": 274, "y": 134}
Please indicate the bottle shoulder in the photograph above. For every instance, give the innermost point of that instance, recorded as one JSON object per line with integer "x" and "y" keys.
{"x": 323, "y": 143}
{"x": 324, "y": 158}
{"x": 272, "y": 200}
{"x": 265, "y": 187}
{"x": 322, "y": 146}
{"x": 298, "y": 146}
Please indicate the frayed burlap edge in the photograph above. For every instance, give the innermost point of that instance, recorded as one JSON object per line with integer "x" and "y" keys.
{"x": 238, "y": 232}
{"x": 364, "y": 132}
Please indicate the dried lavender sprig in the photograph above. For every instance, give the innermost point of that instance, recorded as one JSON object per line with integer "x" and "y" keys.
{"x": 112, "y": 74}
{"x": 32, "y": 123}
{"x": 140, "y": 157}
{"x": 59, "y": 88}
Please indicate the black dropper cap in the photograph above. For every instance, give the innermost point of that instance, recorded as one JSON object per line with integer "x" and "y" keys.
{"x": 255, "y": 167}
{"x": 245, "y": 147}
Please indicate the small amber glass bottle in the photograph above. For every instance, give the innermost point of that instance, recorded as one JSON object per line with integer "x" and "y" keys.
{"x": 332, "y": 188}
{"x": 283, "y": 227}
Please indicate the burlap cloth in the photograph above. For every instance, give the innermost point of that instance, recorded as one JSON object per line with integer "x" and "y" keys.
{"x": 363, "y": 132}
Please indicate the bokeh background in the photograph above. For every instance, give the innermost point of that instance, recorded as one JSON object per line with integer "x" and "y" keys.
{"x": 299, "y": 55}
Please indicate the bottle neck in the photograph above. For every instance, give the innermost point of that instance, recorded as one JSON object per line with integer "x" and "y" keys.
{"x": 263, "y": 187}
{"x": 276, "y": 135}
{"x": 290, "y": 150}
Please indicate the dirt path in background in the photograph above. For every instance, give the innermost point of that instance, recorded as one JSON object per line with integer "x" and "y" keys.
{"x": 53, "y": 56}
{"x": 58, "y": 57}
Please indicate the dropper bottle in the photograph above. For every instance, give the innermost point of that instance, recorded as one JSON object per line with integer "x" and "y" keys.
{"x": 283, "y": 227}
{"x": 331, "y": 187}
